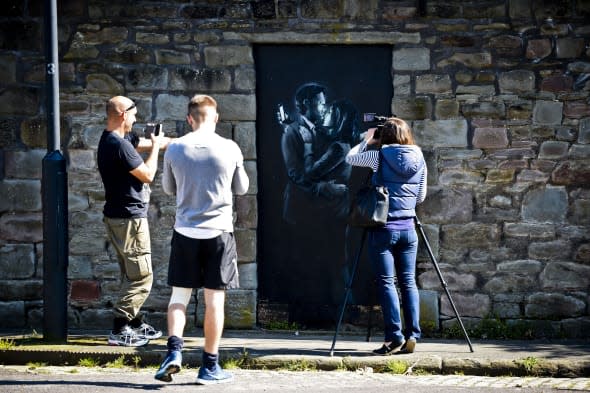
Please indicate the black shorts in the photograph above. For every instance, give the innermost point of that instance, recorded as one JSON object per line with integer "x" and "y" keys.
{"x": 209, "y": 263}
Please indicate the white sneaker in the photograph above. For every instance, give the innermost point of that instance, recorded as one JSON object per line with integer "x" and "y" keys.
{"x": 147, "y": 331}
{"x": 127, "y": 337}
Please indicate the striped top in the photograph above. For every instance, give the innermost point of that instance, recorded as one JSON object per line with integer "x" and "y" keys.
{"x": 360, "y": 156}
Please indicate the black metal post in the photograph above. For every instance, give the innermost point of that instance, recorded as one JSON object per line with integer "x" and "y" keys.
{"x": 55, "y": 198}
{"x": 421, "y": 7}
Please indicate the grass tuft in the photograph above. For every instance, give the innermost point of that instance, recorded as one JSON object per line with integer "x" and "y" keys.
{"x": 529, "y": 364}
{"x": 395, "y": 367}
{"x": 36, "y": 365}
{"x": 7, "y": 343}
{"x": 299, "y": 365}
{"x": 88, "y": 362}
{"x": 243, "y": 361}
{"x": 117, "y": 363}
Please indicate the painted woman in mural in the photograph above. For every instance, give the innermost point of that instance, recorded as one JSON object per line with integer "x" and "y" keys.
{"x": 314, "y": 144}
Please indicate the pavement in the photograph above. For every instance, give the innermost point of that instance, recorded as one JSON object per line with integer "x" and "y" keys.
{"x": 264, "y": 349}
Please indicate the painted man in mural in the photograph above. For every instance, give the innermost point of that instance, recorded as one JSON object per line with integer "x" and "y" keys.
{"x": 314, "y": 146}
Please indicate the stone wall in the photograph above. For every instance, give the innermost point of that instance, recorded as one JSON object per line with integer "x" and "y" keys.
{"x": 497, "y": 93}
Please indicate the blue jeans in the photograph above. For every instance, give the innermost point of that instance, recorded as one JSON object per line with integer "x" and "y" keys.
{"x": 393, "y": 253}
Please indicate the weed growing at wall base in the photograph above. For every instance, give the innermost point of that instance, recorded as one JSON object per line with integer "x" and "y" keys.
{"x": 282, "y": 325}
{"x": 492, "y": 329}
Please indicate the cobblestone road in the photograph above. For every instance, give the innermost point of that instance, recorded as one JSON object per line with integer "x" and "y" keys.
{"x": 72, "y": 379}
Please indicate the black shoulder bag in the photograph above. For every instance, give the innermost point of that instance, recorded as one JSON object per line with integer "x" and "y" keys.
{"x": 370, "y": 206}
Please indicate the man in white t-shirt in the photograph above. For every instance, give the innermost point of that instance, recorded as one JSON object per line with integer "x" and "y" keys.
{"x": 204, "y": 170}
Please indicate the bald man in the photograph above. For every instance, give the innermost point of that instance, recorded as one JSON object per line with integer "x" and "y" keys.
{"x": 125, "y": 177}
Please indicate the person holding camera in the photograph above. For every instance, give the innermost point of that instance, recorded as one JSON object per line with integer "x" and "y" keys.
{"x": 393, "y": 247}
{"x": 125, "y": 177}
{"x": 204, "y": 170}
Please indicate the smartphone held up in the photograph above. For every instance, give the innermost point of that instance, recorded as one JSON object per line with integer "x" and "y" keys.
{"x": 152, "y": 128}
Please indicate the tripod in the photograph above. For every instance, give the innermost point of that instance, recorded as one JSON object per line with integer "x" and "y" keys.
{"x": 438, "y": 272}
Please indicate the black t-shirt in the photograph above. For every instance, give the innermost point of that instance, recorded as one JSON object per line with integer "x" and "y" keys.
{"x": 124, "y": 193}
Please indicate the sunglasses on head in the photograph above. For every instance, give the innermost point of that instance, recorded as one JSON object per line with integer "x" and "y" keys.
{"x": 131, "y": 107}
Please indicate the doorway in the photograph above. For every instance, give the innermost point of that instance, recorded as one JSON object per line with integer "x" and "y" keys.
{"x": 305, "y": 248}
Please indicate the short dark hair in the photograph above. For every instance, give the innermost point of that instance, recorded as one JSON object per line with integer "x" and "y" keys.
{"x": 307, "y": 91}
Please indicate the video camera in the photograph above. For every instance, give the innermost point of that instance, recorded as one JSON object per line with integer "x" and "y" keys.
{"x": 152, "y": 128}
{"x": 372, "y": 117}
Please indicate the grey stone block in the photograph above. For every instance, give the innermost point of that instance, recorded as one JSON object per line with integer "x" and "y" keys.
{"x": 547, "y": 113}
{"x": 20, "y": 195}
{"x": 12, "y": 314}
{"x": 240, "y": 309}
{"x": 547, "y": 204}
{"x": 17, "y": 261}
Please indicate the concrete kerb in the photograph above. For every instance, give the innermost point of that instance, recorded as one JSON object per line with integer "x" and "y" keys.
{"x": 518, "y": 368}
{"x": 72, "y": 357}
{"x": 415, "y": 364}
{"x": 285, "y": 351}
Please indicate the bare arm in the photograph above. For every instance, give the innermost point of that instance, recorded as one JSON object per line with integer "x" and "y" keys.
{"x": 168, "y": 181}
{"x": 240, "y": 181}
{"x": 146, "y": 172}
{"x": 145, "y": 145}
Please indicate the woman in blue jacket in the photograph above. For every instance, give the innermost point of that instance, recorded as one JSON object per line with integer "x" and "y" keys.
{"x": 393, "y": 247}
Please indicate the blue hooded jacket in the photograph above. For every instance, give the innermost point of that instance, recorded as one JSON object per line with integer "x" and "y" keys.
{"x": 401, "y": 170}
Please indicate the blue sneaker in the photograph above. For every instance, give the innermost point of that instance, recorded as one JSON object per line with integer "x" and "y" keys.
{"x": 210, "y": 377}
{"x": 170, "y": 365}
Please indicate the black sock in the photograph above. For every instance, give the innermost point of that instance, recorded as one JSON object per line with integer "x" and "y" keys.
{"x": 119, "y": 323}
{"x": 209, "y": 360}
{"x": 175, "y": 343}
{"x": 135, "y": 322}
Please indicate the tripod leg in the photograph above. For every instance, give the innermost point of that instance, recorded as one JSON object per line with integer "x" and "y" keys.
{"x": 442, "y": 281}
{"x": 372, "y": 302}
{"x": 348, "y": 290}
{"x": 370, "y": 323}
